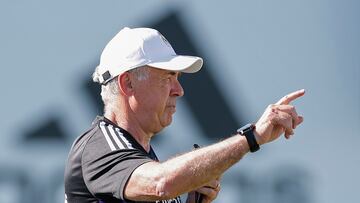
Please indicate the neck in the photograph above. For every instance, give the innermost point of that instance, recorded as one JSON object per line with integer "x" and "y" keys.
{"x": 124, "y": 120}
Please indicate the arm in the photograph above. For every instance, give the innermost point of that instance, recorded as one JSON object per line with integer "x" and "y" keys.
{"x": 186, "y": 172}
{"x": 158, "y": 181}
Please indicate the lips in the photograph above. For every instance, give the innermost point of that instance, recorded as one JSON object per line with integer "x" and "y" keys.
{"x": 172, "y": 107}
{"x": 171, "y": 104}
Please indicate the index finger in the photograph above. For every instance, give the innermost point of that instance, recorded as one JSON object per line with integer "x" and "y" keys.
{"x": 291, "y": 97}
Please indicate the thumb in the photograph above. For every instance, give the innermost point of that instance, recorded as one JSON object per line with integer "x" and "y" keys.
{"x": 300, "y": 120}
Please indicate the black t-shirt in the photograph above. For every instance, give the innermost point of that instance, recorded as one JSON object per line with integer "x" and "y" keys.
{"x": 100, "y": 163}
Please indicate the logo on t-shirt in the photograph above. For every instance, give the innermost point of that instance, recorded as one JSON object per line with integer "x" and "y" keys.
{"x": 175, "y": 200}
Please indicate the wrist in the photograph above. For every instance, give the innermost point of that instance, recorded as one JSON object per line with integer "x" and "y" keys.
{"x": 257, "y": 137}
{"x": 248, "y": 131}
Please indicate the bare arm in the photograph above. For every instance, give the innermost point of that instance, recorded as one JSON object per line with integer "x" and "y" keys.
{"x": 187, "y": 172}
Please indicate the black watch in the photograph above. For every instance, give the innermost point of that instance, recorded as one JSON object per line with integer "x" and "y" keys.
{"x": 248, "y": 132}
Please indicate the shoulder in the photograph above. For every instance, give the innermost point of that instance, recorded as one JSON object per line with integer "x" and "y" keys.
{"x": 113, "y": 137}
{"x": 107, "y": 139}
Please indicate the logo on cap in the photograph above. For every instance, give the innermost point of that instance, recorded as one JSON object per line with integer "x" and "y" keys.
{"x": 165, "y": 40}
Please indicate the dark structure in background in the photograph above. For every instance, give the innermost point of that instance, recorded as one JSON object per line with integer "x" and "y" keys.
{"x": 50, "y": 130}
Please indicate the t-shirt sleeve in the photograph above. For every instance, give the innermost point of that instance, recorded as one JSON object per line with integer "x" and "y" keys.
{"x": 107, "y": 170}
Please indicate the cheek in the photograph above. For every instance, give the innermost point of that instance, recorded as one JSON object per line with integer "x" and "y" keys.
{"x": 153, "y": 101}
{"x": 152, "y": 97}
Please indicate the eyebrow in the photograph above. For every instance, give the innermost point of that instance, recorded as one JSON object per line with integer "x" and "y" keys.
{"x": 174, "y": 73}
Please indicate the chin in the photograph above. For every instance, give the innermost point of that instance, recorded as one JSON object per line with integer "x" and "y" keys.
{"x": 167, "y": 122}
{"x": 163, "y": 125}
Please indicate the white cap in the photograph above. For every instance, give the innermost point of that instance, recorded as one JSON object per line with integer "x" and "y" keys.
{"x": 132, "y": 48}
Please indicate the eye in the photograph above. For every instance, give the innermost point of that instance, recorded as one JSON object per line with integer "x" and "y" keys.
{"x": 166, "y": 79}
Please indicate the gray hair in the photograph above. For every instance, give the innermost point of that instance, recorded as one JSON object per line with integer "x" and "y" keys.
{"x": 110, "y": 91}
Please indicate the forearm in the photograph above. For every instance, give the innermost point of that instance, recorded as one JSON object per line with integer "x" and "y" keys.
{"x": 186, "y": 172}
{"x": 189, "y": 171}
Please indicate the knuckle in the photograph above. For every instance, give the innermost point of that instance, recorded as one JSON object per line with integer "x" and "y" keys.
{"x": 272, "y": 117}
{"x": 287, "y": 116}
{"x": 271, "y": 106}
{"x": 273, "y": 112}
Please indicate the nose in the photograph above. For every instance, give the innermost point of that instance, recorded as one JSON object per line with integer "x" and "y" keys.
{"x": 177, "y": 89}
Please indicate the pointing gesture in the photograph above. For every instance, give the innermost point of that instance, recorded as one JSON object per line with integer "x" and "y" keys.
{"x": 291, "y": 97}
{"x": 279, "y": 118}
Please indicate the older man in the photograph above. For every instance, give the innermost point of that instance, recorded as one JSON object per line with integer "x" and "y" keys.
{"x": 114, "y": 162}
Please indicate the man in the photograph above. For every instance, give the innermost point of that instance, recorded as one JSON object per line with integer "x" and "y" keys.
{"x": 114, "y": 162}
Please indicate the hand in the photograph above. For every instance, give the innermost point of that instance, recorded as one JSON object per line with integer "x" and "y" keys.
{"x": 278, "y": 118}
{"x": 209, "y": 192}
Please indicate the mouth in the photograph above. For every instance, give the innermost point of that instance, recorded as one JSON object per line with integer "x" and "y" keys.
{"x": 172, "y": 107}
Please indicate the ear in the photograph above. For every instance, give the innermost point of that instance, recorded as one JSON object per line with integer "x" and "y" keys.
{"x": 124, "y": 82}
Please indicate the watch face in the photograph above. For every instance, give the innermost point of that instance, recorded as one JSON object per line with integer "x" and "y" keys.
{"x": 245, "y": 128}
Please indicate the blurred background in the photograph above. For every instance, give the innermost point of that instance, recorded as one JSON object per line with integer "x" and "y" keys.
{"x": 255, "y": 52}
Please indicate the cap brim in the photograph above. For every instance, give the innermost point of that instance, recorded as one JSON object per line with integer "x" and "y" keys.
{"x": 186, "y": 64}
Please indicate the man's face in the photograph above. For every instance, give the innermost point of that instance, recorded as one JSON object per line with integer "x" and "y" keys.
{"x": 155, "y": 99}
